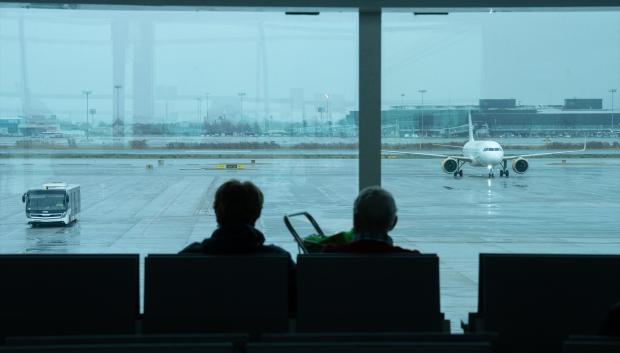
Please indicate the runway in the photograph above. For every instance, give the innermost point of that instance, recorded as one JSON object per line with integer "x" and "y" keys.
{"x": 570, "y": 207}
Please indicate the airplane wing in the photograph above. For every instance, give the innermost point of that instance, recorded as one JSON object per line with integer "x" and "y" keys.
{"x": 546, "y": 154}
{"x": 460, "y": 158}
{"x": 449, "y": 146}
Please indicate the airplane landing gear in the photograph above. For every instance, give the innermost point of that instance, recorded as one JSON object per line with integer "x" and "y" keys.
{"x": 459, "y": 171}
{"x": 504, "y": 171}
{"x": 491, "y": 175}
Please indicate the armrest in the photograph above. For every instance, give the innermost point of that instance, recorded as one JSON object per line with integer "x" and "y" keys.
{"x": 445, "y": 326}
{"x": 475, "y": 323}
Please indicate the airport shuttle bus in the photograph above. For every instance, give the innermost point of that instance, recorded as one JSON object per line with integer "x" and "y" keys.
{"x": 53, "y": 203}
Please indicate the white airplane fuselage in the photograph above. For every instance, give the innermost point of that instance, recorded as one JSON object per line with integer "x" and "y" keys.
{"x": 489, "y": 154}
{"x": 483, "y": 153}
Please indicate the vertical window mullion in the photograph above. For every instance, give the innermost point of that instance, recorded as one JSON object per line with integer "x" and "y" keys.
{"x": 369, "y": 98}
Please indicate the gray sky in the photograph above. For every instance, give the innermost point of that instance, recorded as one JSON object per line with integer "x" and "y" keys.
{"x": 537, "y": 58}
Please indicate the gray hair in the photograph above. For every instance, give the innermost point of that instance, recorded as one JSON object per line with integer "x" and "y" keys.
{"x": 374, "y": 210}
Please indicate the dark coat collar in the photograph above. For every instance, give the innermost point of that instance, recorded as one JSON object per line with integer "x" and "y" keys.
{"x": 243, "y": 235}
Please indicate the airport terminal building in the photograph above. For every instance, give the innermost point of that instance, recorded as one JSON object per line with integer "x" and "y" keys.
{"x": 499, "y": 118}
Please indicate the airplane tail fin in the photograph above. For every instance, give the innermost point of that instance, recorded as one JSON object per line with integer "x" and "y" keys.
{"x": 471, "y": 129}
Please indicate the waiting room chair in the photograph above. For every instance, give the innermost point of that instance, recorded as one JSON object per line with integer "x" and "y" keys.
{"x": 380, "y": 337}
{"x": 68, "y": 294}
{"x": 126, "y": 348}
{"x": 366, "y": 347}
{"x": 592, "y": 346}
{"x": 535, "y": 301}
{"x": 325, "y": 337}
{"x": 372, "y": 293}
{"x": 203, "y": 293}
{"x": 127, "y": 339}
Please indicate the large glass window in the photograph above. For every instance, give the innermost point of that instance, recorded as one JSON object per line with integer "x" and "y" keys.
{"x": 150, "y": 111}
{"x": 533, "y": 83}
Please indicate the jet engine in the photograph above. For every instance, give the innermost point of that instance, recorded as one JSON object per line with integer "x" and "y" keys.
{"x": 449, "y": 165}
{"x": 520, "y": 165}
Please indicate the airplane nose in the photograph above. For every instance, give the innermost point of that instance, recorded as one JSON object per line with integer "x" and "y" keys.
{"x": 492, "y": 158}
{"x": 497, "y": 157}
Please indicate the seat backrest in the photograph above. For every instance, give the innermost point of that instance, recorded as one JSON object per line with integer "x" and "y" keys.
{"x": 126, "y": 348}
{"x": 352, "y": 292}
{"x": 592, "y": 347}
{"x": 68, "y": 294}
{"x": 204, "y": 293}
{"x": 236, "y": 338}
{"x": 596, "y": 338}
{"x": 416, "y": 337}
{"x": 547, "y": 296}
{"x": 366, "y": 347}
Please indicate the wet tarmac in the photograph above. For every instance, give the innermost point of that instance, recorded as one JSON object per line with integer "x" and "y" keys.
{"x": 571, "y": 207}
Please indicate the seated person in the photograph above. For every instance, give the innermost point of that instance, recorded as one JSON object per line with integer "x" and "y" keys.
{"x": 611, "y": 324}
{"x": 374, "y": 215}
{"x": 237, "y": 206}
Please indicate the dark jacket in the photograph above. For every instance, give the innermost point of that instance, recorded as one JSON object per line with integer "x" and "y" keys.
{"x": 367, "y": 246}
{"x": 611, "y": 325}
{"x": 239, "y": 240}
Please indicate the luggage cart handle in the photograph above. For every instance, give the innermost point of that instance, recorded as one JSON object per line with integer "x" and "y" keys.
{"x": 296, "y": 236}
{"x": 314, "y": 223}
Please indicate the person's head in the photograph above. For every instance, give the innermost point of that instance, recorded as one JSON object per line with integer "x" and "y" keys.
{"x": 374, "y": 211}
{"x": 237, "y": 203}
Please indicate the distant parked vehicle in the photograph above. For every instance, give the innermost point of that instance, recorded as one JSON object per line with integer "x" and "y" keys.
{"x": 53, "y": 203}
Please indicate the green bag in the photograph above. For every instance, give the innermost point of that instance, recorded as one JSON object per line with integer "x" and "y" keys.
{"x": 316, "y": 243}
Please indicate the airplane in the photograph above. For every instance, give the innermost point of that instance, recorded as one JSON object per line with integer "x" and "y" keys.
{"x": 487, "y": 154}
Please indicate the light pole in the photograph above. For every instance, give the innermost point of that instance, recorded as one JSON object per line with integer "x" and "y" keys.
{"x": 198, "y": 106}
{"x": 207, "y": 102}
{"x": 87, "y": 93}
{"x": 421, "y": 129}
{"x": 92, "y": 112}
{"x": 422, "y": 91}
{"x": 241, "y": 95}
{"x": 327, "y": 116}
{"x": 117, "y": 125}
{"x": 206, "y": 120}
{"x": 402, "y": 101}
{"x": 612, "y": 91}
{"x": 163, "y": 124}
